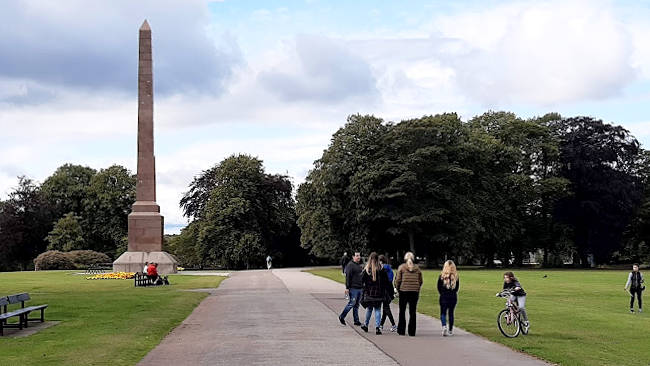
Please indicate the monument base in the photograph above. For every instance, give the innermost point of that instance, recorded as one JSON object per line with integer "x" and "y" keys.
{"x": 134, "y": 262}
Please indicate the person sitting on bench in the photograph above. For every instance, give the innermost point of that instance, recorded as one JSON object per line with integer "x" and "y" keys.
{"x": 152, "y": 273}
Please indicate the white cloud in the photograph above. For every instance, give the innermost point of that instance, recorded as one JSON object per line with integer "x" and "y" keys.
{"x": 540, "y": 53}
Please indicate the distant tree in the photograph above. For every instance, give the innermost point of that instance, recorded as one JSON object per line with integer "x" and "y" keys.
{"x": 25, "y": 220}
{"x": 66, "y": 235}
{"x": 67, "y": 188}
{"x": 106, "y": 207}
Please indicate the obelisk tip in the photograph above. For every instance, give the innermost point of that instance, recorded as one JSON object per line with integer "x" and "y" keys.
{"x": 145, "y": 26}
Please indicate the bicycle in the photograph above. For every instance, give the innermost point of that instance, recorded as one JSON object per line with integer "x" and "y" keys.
{"x": 509, "y": 320}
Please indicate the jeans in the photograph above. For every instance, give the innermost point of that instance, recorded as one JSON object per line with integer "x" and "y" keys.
{"x": 447, "y": 307}
{"x": 353, "y": 303}
{"x": 377, "y": 312}
{"x": 638, "y": 296}
{"x": 410, "y": 298}
{"x": 387, "y": 313}
{"x": 521, "y": 304}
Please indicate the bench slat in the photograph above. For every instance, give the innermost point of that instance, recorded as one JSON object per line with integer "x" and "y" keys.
{"x": 14, "y": 313}
{"x": 4, "y": 301}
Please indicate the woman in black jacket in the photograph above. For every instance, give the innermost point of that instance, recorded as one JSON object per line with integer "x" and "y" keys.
{"x": 375, "y": 288}
{"x": 448, "y": 285}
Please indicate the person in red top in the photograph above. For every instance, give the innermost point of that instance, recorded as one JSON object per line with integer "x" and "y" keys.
{"x": 152, "y": 272}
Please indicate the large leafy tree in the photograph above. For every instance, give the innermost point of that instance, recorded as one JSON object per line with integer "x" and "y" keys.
{"x": 332, "y": 214}
{"x": 243, "y": 214}
{"x": 602, "y": 163}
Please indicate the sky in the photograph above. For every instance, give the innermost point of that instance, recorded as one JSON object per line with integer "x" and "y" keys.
{"x": 275, "y": 79}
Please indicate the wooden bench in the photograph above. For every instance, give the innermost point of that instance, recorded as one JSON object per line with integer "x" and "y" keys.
{"x": 22, "y": 313}
{"x": 97, "y": 268}
{"x": 142, "y": 280}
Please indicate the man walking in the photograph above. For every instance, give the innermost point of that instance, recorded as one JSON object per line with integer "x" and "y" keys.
{"x": 353, "y": 288}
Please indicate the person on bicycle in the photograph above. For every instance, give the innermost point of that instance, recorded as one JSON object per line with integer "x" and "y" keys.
{"x": 511, "y": 283}
{"x": 635, "y": 284}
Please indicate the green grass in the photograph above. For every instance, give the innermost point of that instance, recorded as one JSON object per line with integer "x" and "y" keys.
{"x": 102, "y": 322}
{"x": 577, "y": 317}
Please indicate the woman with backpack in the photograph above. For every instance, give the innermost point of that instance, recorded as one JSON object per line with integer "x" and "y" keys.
{"x": 375, "y": 285}
{"x": 389, "y": 296}
{"x": 635, "y": 283}
{"x": 408, "y": 283}
{"x": 448, "y": 285}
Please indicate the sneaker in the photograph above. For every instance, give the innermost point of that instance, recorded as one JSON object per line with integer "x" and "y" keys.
{"x": 640, "y": 310}
{"x": 365, "y": 329}
{"x": 357, "y": 324}
{"x": 342, "y": 321}
{"x": 451, "y": 332}
{"x": 381, "y": 327}
{"x": 378, "y": 331}
{"x": 393, "y": 328}
{"x": 444, "y": 331}
{"x": 631, "y": 310}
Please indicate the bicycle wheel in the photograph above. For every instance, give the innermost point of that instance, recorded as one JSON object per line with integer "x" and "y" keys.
{"x": 509, "y": 327}
{"x": 524, "y": 328}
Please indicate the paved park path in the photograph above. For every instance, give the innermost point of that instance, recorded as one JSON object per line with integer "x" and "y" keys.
{"x": 288, "y": 317}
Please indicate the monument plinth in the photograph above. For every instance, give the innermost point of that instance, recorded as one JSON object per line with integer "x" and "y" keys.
{"x": 145, "y": 221}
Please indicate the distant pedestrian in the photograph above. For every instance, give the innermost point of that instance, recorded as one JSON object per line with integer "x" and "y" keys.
{"x": 448, "y": 284}
{"x": 510, "y": 282}
{"x": 146, "y": 265}
{"x": 635, "y": 283}
{"x": 344, "y": 262}
{"x": 268, "y": 262}
{"x": 353, "y": 288}
{"x": 390, "y": 295}
{"x": 408, "y": 282}
{"x": 375, "y": 286}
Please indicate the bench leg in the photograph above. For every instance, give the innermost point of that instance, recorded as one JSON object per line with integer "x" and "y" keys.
{"x": 43, "y": 315}
{"x": 2, "y": 328}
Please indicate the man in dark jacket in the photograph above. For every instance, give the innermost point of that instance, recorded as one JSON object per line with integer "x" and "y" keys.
{"x": 353, "y": 288}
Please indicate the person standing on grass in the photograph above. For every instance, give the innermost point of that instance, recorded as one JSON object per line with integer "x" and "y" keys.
{"x": 408, "y": 282}
{"x": 635, "y": 284}
{"x": 389, "y": 296}
{"x": 510, "y": 282}
{"x": 448, "y": 284}
{"x": 146, "y": 266}
{"x": 353, "y": 289}
{"x": 375, "y": 286}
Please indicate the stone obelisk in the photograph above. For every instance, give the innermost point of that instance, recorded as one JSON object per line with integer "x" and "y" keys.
{"x": 145, "y": 220}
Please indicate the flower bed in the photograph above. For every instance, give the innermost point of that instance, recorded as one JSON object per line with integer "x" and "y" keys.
{"x": 113, "y": 276}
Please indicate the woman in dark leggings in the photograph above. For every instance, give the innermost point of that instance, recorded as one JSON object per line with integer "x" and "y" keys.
{"x": 448, "y": 285}
{"x": 390, "y": 295}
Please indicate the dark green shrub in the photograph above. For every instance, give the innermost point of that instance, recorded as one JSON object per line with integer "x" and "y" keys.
{"x": 53, "y": 259}
{"x": 84, "y": 258}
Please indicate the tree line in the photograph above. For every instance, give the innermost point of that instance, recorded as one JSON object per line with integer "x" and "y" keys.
{"x": 76, "y": 208}
{"x": 494, "y": 187}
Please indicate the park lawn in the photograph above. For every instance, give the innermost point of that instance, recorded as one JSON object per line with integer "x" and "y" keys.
{"x": 578, "y": 317}
{"x": 102, "y": 322}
